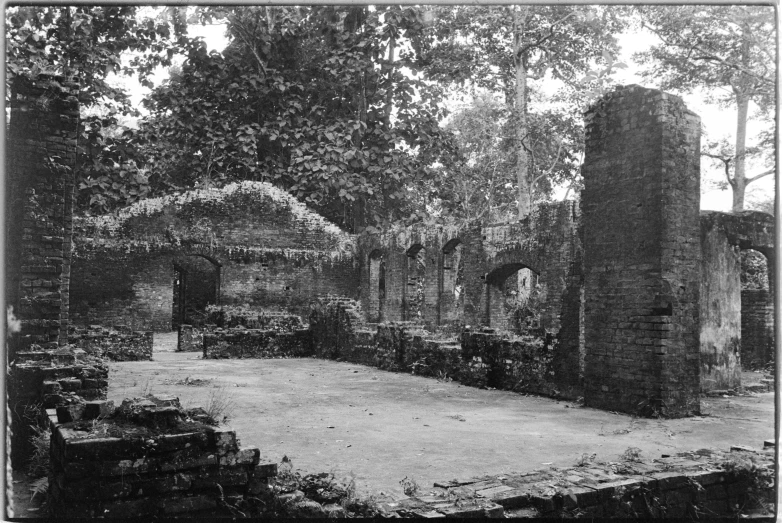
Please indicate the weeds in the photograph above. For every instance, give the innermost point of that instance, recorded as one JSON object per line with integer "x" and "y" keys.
{"x": 39, "y": 486}
{"x": 39, "y": 461}
{"x": 409, "y": 486}
{"x": 586, "y": 459}
{"x": 632, "y": 454}
{"x": 220, "y": 404}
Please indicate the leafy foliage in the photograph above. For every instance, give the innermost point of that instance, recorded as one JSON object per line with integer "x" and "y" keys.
{"x": 310, "y": 100}
{"x": 87, "y": 44}
{"x": 512, "y": 51}
{"x": 729, "y": 52}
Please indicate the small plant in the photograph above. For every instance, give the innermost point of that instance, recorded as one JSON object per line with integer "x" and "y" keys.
{"x": 39, "y": 486}
{"x": 220, "y": 404}
{"x": 39, "y": 461}
{"x": 632, "y": 454}
{"x": 586, "y": 459}
{"x": 409, "y": 486}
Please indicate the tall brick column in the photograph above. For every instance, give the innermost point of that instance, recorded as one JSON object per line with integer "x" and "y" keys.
{"x": 44, "y": 125}
{"x": 641, "y": 254}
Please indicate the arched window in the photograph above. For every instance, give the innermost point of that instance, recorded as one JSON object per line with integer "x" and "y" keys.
{"x": 416, "y": 282}
{"x": 452, "y": 278}
{"x": 511, "y": 297}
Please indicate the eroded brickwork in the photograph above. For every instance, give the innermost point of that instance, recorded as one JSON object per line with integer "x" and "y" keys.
{"x": 757, "y": 328}
{"x": 40, "y": 163}
{"x": 642, "y": 253}
{"x": 255, "y": 246}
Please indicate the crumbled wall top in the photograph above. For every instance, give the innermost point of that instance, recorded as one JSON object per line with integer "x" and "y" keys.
{"x": 244, "y": 214}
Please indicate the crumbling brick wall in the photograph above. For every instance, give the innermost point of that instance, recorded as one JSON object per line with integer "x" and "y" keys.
{"x": 115, "y": 344}
{"x": 757, "y": 328}
{"x": 40, "y": 163}
{"x": 272, "y": 252}
{"x": 641, "y": 253}
{"x": 724, "y": 236}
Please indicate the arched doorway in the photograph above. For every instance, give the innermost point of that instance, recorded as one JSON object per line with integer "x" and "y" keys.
{"x": 196, "y": 285}
{"x": 757, "y": 310}
{"x": 511, "y": 297}
{"x": 452, "y": 283}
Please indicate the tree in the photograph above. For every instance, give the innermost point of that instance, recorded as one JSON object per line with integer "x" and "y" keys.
{"x": 479, "y": 184}
{"x": 87, "y": 43}
{"x": 510, "y": 49}
{"x": 310, "y": 99}
{"x": 729, "y": 51}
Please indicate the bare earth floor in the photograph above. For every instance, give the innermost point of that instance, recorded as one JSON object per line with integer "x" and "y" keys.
{"x": 381, "y": 426}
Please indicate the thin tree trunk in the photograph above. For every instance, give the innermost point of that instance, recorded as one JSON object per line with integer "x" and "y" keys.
{"x": 739, "y": 171}
{"x": 740, "y": 166}
{"x": 520, "y": 107}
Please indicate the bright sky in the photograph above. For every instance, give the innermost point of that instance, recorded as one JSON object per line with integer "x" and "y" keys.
{"x": 717, "y": 122}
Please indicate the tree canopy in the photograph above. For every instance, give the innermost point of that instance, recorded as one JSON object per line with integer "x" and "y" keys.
{"x": 729, "y": 52}
{"x": 344, "y": 107}
{"x": 310, "y": 99}
{"x": 88, "y": 43}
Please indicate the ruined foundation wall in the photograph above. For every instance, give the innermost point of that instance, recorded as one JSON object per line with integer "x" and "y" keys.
{"x": 642, "y": 253}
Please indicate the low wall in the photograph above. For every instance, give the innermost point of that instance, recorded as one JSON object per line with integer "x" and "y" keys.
{"x": 190, "y": 339}
{"x": 148, "y": 458}
{"x": 480, "y": 359}
{"x": 117, "y": 344}
{"x": 697, "y": 485}
{"x": 256, "y": 343}
{"x": 66, "y": 377}
{"x": 522, "y": 363}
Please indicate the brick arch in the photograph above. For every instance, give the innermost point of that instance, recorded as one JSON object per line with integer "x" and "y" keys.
{"x": 200, "y": 249}
{"x": 523, "y": 257}
{"x": 450, "y": 293}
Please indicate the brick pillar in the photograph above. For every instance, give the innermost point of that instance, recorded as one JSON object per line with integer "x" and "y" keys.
{"x": 44, "y": 124}
{"x": 641, "y": 254}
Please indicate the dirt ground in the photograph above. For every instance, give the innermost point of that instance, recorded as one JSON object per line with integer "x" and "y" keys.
{"x": 380, "y": 427}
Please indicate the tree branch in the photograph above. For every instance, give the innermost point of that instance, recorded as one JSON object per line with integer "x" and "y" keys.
{"x": 761, "y": 175}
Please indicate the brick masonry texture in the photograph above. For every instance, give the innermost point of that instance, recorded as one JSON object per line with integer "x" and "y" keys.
{"x": 149, "y": 458}
{"x": 119, "y": 344}
{"x": 477, "y": 261}
{"x": 642, "y": 254}
{"x": 757, "y": 328}
{"x": 43, "y": 125}
{"x": 268, "y": 251}
{"x": 702, "y": 484}
{"x": 737, "y": 327}
{"x": 52, "y": 379}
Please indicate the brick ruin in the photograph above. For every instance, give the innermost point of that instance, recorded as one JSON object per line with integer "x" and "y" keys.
{"x": 159, "y": 263}
{"x": 638, "y": 289}
{"x": 637, "y": 300}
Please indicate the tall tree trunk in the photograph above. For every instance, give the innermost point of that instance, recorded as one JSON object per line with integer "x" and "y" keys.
{"x": 520, "y": 107}
{"x": 739, "y": 171}
{"x": 390, "y": 92}
{"x": 740, "y": 163}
